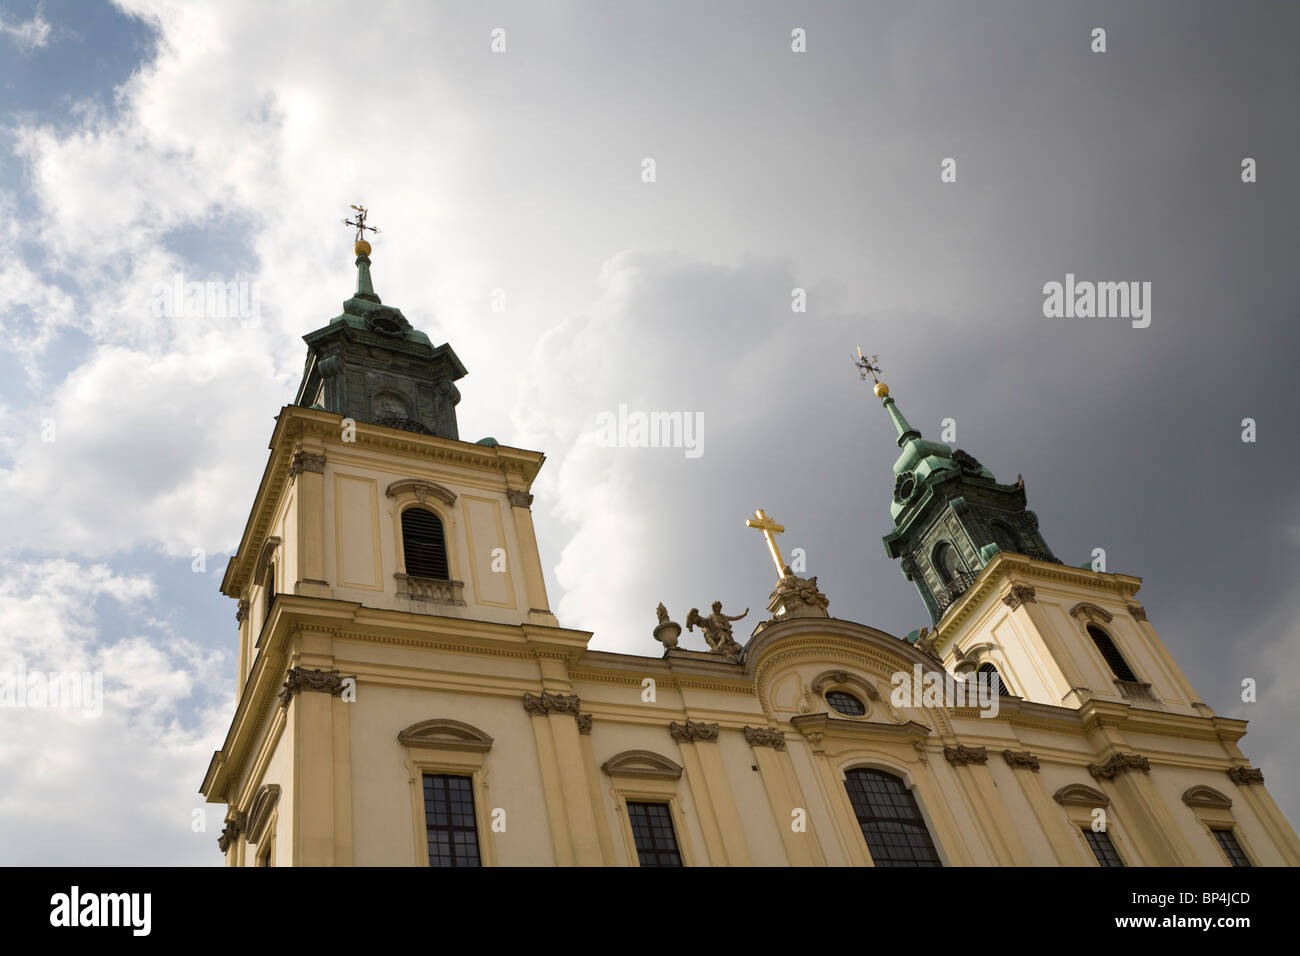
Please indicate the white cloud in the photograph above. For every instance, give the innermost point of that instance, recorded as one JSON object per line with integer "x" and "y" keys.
{"x": 120, "y": 787}
{"x": 27, "y": 35}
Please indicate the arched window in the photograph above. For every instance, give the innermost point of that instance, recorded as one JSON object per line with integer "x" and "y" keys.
{"x": 944, "y": 558}
{"x": 1005, "y": 538}
{"x": 988, "y": 673}
{"x": 891, "y": 821}
{"x": 1118, "y": 666}
{"x": 423, "y": 545}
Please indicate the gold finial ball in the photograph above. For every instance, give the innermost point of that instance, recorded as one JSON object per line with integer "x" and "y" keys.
{"x": 881, "y": 390}
{"x": 362, "y": 248}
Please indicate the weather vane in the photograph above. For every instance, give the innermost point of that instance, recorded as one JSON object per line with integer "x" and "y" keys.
{"x": 867, "y": 366}
{"x": 360, "y": 224}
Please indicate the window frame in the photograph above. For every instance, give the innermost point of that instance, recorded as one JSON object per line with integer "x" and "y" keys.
{"x": 668, "y": 809}
{"x": 1088, "y": 629}
{"x": 910, "y": 788}
{"x": 445, "y": 757}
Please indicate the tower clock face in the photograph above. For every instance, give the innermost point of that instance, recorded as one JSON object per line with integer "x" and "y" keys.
{"x": 385, "y": 322}
{"x": 904, "y": 488}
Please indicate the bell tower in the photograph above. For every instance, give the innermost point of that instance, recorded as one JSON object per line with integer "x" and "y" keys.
{"x": 951, "y": 515}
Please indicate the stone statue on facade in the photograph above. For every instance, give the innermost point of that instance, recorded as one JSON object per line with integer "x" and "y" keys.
{"x": 717, "y": 630}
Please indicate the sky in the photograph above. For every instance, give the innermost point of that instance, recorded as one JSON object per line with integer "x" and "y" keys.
{"x": 502, "y": 149}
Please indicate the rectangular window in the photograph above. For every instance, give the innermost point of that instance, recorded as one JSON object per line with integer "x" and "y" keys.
{"x": 1102, "y": 848}
{"x": 652, "y": 828}
{"x": 1230, "y": 847}
{"x": 449, "y": 820}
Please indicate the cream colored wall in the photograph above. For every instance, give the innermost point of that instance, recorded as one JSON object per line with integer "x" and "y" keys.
{"x": 479, "y": 517}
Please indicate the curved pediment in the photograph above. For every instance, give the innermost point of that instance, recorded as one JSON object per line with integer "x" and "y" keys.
{"x": 421, "y": 489}
{"x": 445, "y": 734}
{"x": 1203, "y": 796}
{"x": 641, "y": 763}
{"x": 845, "y": 679}
{"x": 1080, "y": 795}
{"x": 260, "y": 811}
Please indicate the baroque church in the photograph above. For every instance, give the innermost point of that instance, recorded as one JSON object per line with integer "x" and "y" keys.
{"x": 406, "y": 697}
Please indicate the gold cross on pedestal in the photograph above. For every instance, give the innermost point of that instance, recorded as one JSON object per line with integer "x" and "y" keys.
{"x": 770, "y": 530}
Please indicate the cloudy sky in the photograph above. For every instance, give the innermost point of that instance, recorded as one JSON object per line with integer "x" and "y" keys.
{"x": 150, "y": 141}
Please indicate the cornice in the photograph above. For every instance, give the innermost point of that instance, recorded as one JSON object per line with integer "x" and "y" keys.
{"x": 295, "y": 423}
{"x": 1005, "y": 565}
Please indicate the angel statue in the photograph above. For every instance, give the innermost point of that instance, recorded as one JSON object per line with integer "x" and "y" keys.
{"x": 717, "y": 629}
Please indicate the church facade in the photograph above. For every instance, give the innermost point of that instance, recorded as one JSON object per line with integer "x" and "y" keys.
{"x": 406, "y": 697}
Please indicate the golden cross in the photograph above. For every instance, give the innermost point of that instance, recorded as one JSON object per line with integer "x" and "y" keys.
{"x": 770, "y": 530}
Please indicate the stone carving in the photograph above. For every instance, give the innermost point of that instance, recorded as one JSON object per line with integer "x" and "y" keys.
{"x": 1138, "y": 611}
{"x": 242, "y": 612}
{"x": 1021, "y": 758}
{"x": 921, "y": 753}
{"x": 1244, "y": 775}
{"x": 548, "y": 703}
{"x": 301, "y": 678}
{"x": 306, "y": 461}
{"x": 692, "y": 731}
{"x": 1019, "y": 594}
{"x": 717, "y": 630}
{"x": 925, "y": 641}
{"x": 421, "y": 489}
{"x": 230, "y": 832}
{"x": 966, "y": 460}
{"x": 584, "y": 723}
{"x": 666, "y": 632}
{"x": 962, "y": 755}
{"x": 1119, "y": 763}
{"x": 1085, "y": 611}
{"x": 519, "y": 498}
{"x": 765, "y": 737}
{"x": 794, "y": 596}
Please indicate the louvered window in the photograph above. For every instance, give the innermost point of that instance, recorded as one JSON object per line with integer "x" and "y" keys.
{"x": 989, "y": 674}
{"x": 1119, "y": 667}
{"x": 424, "y": 545}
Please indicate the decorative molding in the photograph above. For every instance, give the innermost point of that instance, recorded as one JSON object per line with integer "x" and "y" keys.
{"x": 692, "y": 731}
{"x": 241, "y": 612}
{"x": 301, "y": 678}
{"x": 1244, "y": 775}
{"x": 1080, "y": 795}
{"x": 641, "y": 763}
{"x": 847, "y": 679}
{"x": 306, "y": 461}
{"x": 230, "y": 832}
{"x": 1135, "y": 690}
{"x": 1119, "y": 763}
{"x": 1021, "y": 758}
{"x": 547, "y": 703}
{"x": 1097, "y": 615}
{"x": 584, "y": 723}
{"x": 259, "y": 814}
{"x": 443, "y": 733}
{"x": 433, "y": 590}
{"x": 1203, "y": 796}
{"x": 961, "y": 754}
{"x": 421, "y": 489}
{"x": 1019, "y": 594}
{"x": 765, "y": 737}
{"x": 519, "y": 498}
{"x": 264, "y": 557}
{"x": 1138, "y": 611}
